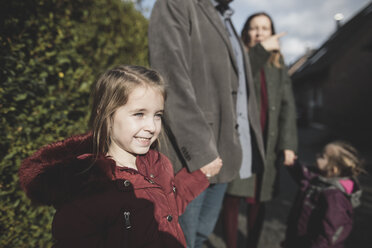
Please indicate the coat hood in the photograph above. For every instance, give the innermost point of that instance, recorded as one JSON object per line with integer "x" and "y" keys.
{"x": 61, "y": 171}
{"x": 334, "y": 182}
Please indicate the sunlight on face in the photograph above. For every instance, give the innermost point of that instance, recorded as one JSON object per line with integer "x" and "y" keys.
{"x": 137, "y": 124}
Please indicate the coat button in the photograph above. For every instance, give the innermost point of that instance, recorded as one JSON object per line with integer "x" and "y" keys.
{"x": 126, "y": 183}
{"x": 174, "y": 189}
{"x": 236, "y": 126}
{"x": 273, "y": 108}
{"x": 185, "y": 153}
{"x": 169, "y": 218}
{"x": 151, "y": 175}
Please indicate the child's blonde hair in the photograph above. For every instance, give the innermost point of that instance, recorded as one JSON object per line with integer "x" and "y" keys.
{"x": 112, "y": 91}
{"x": 345, "y": 158}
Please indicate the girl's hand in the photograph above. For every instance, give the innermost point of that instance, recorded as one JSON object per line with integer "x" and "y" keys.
{"x": 213, "y": 168}
{"x": 289, "y": 157}
{"x": 271, "y": 44}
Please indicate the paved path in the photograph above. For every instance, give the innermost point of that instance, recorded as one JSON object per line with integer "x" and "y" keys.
{"x": 311, "y": 142}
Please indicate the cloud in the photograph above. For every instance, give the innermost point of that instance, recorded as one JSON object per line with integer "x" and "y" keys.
{"x": 292, "y": 47}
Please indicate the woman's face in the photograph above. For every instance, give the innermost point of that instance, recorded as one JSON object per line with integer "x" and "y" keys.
{"x": 259, "y": 30}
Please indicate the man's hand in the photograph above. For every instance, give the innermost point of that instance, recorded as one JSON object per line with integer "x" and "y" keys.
{"x": 289, "y": 157}
{"x": 212, "y": 168}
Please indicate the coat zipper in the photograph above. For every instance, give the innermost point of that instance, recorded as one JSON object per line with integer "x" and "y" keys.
{"x": 127, "y": 220}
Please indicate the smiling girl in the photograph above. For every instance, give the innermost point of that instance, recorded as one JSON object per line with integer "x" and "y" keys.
{"x": 111, "y": 187}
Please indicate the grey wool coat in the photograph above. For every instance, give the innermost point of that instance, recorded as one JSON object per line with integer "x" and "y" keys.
{"x": 190, "y": 47}
{"x": 281, "y": 127}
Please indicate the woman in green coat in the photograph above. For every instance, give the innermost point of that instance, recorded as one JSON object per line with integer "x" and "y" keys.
{"x": 278, "y": 125}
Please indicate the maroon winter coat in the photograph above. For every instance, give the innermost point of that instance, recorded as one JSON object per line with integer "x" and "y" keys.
{"x": 94, "y": 209}
{"x": 322, "y": 215}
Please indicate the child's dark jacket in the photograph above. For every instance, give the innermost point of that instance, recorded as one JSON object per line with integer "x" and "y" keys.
{"x": 322, "y": 215}
{"x": 96, "y": 210}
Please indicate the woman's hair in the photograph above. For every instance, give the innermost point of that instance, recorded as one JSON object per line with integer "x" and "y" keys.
{"x": 345, "y": 158}
{"x": 112, "y": 91}
{"x": 275, "y": 58}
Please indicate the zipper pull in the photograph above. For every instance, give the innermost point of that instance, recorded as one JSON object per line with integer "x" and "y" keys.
{"x": 127, "y": 220}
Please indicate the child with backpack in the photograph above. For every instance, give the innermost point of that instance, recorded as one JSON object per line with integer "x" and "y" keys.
{"x": 322, "y": 214}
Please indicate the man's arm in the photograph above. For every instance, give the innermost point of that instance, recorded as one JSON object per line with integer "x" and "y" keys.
{"x": 170, "y": 48}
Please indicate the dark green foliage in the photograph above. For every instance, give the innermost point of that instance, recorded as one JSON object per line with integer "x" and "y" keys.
{"x": 51, "y": 51}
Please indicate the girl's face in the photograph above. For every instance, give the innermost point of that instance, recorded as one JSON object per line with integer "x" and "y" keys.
{"x": 322, "y": 161}
{"x": 137, "y": 124}
{"x": 259, "y": 30}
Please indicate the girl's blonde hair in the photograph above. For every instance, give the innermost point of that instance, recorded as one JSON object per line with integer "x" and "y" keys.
{"x": 345, "y": 158}
{"x": 112, "y": 91}
{"x": 276, "y": 58}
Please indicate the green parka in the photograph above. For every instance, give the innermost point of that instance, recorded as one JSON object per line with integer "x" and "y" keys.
{"x": 281, "y": 125}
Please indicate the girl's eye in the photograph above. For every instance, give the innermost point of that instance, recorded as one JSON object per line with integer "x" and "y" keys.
{"x": 138, "y": 114}
{"x": 160, "y": 115}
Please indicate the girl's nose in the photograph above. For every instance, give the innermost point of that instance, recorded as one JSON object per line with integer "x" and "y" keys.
{"x": 150, "y": 125}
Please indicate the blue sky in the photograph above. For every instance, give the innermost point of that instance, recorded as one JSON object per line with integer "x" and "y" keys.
{"x": 308, "y": 23}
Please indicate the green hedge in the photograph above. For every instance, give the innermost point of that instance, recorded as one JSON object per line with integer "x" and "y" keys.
{"x": 51, "y": 51}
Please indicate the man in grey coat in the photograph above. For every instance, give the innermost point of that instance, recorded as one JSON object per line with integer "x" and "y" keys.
{"x": 211, "y": 110}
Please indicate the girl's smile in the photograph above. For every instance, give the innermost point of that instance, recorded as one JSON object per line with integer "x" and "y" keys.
{"x": 136, "y": 125}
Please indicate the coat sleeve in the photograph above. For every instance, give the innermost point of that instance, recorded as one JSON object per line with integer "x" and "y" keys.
{"x": 300, "y": 173}
{"x": 170, "y": 48}
{"x": 336, "y": 223}
{"x": 287, "y": 116}
{"x": 258, "y": 57}
{"x": 189, "y": 186}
